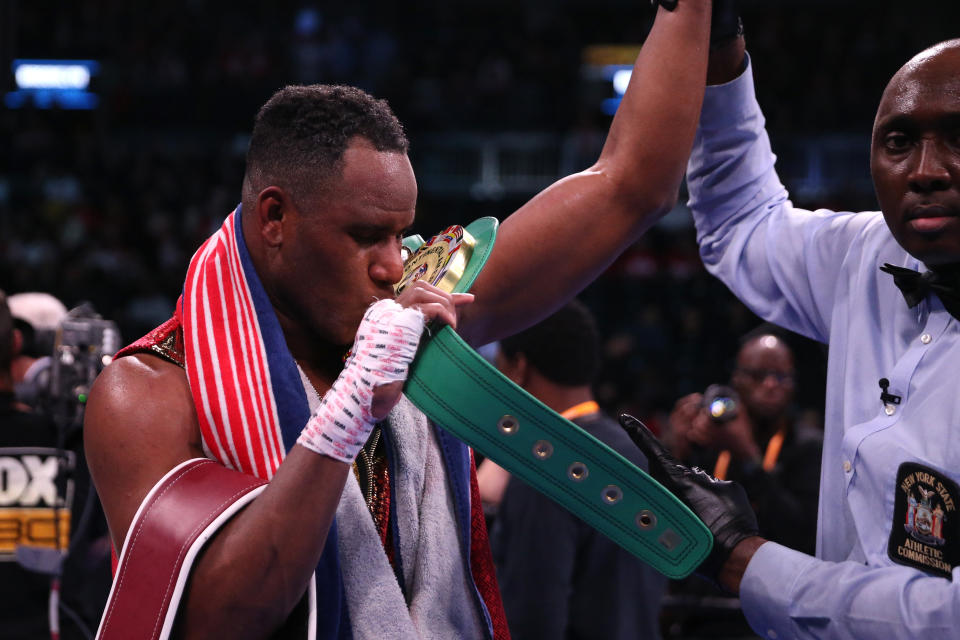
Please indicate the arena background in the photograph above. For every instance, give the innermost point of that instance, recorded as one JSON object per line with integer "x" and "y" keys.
{"x": 499, "y": 99}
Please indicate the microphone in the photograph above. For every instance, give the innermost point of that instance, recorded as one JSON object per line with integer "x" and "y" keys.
{"x": 887, "y": 397}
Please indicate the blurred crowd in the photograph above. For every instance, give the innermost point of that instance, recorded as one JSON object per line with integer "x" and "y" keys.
{"x": 107, "y": 206}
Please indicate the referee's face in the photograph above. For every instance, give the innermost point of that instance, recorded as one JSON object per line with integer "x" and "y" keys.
{"x": 915, "y": 155}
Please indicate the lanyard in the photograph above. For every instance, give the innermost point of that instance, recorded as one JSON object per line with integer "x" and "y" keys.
{"x": 769, "y": 458}
{"x": 580, "y": 410}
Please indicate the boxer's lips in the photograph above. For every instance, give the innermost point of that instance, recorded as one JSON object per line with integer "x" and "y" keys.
{"x": 931, "y": 218}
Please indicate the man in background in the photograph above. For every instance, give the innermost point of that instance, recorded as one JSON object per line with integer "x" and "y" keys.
{"x": 36, "y": 316}
{"x": 747, "y": 432}
{"x": 54, "y": 549}
{"x": 559, "y": 577}
{"x": 31, "y": 512}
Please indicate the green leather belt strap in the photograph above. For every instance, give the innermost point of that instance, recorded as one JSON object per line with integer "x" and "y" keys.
{"x": 460, "y": 391}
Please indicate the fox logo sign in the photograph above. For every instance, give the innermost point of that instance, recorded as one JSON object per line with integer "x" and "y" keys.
{"x": 36, "y": 492}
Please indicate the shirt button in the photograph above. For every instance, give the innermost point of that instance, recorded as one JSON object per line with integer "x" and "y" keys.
{"x": 847, "y": 466}
{"x": 771, "y": 634}
{"x": 926, "y": 338}
{"x": 889, "y": 409}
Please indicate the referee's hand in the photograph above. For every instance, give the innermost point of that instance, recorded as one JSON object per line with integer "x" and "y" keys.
{"x": 723, "y": 506}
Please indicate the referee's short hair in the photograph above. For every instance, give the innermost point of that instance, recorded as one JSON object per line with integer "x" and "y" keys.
{"x": 564, "y": 348}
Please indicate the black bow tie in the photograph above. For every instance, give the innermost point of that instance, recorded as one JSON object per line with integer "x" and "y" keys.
{"x": 916, "y": 286}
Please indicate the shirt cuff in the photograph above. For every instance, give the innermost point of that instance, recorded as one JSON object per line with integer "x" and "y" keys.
{"x": 766, "y": 588}
{"x": 728, "y": 104}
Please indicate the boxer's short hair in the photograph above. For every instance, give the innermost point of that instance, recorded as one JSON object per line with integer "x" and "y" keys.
{"x": 300, "y": 134}
{"x": 564, "y": 348}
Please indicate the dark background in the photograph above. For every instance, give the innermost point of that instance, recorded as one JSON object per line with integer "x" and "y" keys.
{"x": 108, "y": 205}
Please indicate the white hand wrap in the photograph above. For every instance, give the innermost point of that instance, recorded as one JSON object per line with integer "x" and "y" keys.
{"x": 385, "y": 345}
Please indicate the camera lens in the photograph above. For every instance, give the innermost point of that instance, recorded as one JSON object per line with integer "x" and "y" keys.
{"x": 720, "y": 402}
{"x": 721, "y": 408}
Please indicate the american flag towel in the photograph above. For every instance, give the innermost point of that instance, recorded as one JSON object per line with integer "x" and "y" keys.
{"x": 252, "y": 404}
{"x": 250, "y": 401}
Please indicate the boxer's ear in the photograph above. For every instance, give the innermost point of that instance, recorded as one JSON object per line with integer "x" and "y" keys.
{"x": 273, "y": 205}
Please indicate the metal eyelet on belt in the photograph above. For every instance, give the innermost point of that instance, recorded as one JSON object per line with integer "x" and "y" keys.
{"x": 646, "y": 519}
{"x": 542, "y": 449}
{"x": 669, "y": 539}
{"x": 611, "y": 494}
{"x": 577, "y": 471}
{"x": 508, "y": 425}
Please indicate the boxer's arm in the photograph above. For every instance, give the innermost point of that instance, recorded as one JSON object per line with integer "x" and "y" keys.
{"x": 140, "y": 423}
{"x": 567, "y": 235}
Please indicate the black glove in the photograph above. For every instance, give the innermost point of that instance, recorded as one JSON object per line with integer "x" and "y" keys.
{"x": 723, "y": 506}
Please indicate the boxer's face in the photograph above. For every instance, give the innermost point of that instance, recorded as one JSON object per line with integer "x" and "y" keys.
{"x": 915, "y": 156}
{"x": 344, "y": 253}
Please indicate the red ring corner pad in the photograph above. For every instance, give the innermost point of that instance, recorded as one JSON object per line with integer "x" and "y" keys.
{"x": 181, "y": 512}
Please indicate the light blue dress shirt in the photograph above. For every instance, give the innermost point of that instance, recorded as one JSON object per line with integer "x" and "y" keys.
{"x": 816, "y": 273}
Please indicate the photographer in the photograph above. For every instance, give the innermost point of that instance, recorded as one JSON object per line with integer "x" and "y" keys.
{"x": 746, "y": 432}
{"x": 26, "y": 442}
{"x": 54, "y": 549}
{"x": 36, "y": 316}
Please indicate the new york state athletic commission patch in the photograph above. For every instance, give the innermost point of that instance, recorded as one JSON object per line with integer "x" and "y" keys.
{"x": 924, "y": 534}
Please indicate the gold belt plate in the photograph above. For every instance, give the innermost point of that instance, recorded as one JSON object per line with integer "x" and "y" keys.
{"x": 440, "y": 261}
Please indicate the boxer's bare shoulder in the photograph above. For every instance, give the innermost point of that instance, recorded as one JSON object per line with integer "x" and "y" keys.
{"x": 140, "y": 422}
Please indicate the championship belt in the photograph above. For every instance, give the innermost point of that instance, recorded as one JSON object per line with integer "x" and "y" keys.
{"x": 463, "y": 393}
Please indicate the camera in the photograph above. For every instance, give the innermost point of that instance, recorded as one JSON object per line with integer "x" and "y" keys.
{"x": 62, "y": 533}
{"x": 83, "y": 345}
{"x": 721, "y": 402}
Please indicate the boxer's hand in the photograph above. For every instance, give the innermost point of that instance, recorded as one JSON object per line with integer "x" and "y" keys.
{"x": 373, "y": 375}
{"x": 385, "y": 344}
{"x": 723, "y": 506}
{"x": 436, "y": 305}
